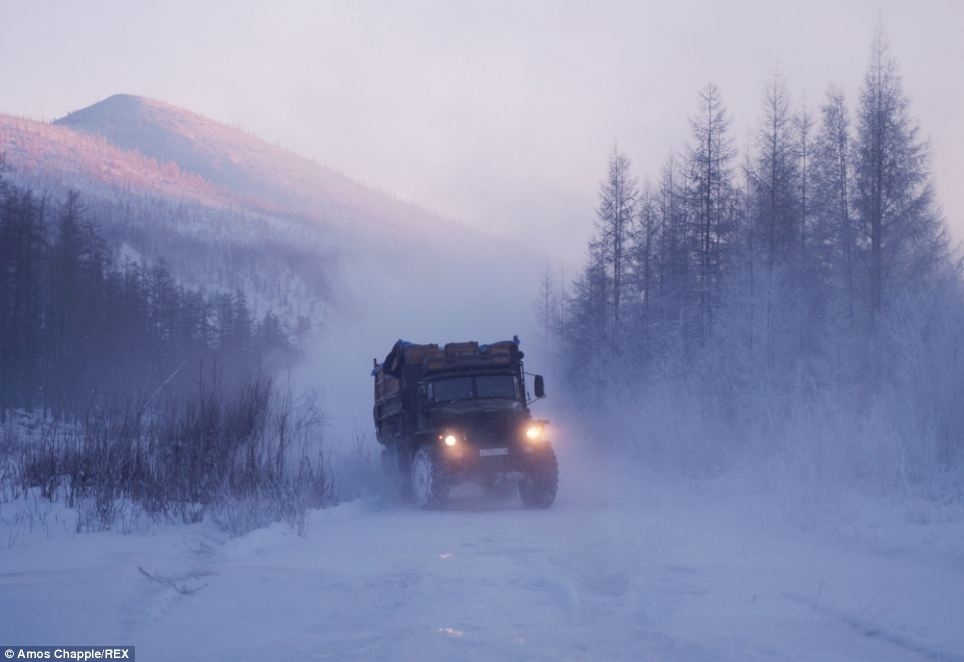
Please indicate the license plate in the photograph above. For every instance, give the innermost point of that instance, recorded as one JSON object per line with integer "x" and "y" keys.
{"x": 485, "y": 452}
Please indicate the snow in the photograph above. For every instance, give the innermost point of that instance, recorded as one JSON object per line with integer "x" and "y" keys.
{"x": 619, "y": 569}
{"x": 127, "y": 255}
{"x": 55, "y": 157}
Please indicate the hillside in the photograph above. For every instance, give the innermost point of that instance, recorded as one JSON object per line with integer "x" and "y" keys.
{"x": 128, "y": 146}
{"x": 55, "y": 156}
{"x": 257, "y": 174}
{"x": 229, "y": 211}
{"x": 137, "y": 146}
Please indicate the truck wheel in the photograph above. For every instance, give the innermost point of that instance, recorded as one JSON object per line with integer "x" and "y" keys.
{"x": 537, "y": 489}
{"x": 430, "y": 481}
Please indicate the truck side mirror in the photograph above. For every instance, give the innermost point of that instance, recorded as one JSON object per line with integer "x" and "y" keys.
{"x": 540, "y": 387}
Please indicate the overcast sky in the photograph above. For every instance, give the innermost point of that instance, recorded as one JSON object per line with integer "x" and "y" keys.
{"x": 499, "y": 114}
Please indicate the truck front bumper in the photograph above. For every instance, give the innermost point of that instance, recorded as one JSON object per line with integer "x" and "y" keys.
{"x": 482, "y": 463}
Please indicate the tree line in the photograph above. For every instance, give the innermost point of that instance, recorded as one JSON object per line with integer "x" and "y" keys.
{"x": 79, "y": 327}
{"x": 782, "y": 272}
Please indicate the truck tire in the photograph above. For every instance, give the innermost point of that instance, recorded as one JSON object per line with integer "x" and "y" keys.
{"x": 430, "y": 479}
{"x": 537, "y": 489}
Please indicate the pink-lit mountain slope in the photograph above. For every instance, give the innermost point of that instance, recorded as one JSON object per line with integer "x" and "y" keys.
{"x": 255, "y": 173}
{"x": 57, "y": 157}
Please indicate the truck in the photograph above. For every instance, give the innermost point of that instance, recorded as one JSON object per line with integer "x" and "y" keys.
{"x": 460, "y": 413}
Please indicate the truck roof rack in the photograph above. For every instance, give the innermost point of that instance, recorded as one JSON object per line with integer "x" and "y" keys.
{"x": 453, "y": 356}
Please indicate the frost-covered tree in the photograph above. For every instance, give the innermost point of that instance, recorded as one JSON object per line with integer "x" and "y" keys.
{"x": 673, "y": 258}
{"x": 900, "y": 228}
{"x": 804, "y": 127}
{"x": 615, "y": 216}
{"x": 709, "y": 172}
{"x": 646, "y": 239}
{"x": 587, "y": 342}
{"x": 775, "y": 177}
{"x": 546, "y": 304}
{"x": 834, "y": 240}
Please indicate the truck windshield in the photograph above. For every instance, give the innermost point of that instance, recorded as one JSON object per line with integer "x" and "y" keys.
{"x": 495, "y": 386}
{"x": 481, "y": 386}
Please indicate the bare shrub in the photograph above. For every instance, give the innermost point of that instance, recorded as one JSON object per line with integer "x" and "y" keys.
{"x": 249, "y": 456}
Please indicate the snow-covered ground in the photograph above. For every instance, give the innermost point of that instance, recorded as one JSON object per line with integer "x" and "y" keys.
{"x": 660, "y": 569}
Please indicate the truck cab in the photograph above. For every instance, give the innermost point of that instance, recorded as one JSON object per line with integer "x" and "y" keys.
{"x": 461, "y": 413}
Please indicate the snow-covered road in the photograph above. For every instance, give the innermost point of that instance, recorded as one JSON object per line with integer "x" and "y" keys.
{"x": 661, "y": 572}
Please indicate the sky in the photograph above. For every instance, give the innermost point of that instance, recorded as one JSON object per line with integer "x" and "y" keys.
{"x": 498, "y": 114}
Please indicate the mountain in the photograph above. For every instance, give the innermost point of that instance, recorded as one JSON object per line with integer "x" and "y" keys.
{"x": 128, "y": 145}
{"x": 53, "y": 156}
{"x": 259, "y": 175}
{"x": 230, "y": 210}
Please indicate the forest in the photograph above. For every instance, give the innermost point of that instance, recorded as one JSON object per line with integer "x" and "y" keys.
{"x": 798, "y": 303}
{"x": 134, "y": 389}
{"x": 81, "y": 329}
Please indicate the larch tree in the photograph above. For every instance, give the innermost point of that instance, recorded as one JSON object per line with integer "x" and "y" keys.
{"x": 834, "y": 235}
{"x": 546, "y": 303}
{"x": 900, "y": 228}
{"x": 710, "y": 196}
{"x": 614, "y": 224}
{"x": 805, "y": 154}
{"x": 776, "y": 176}
{"x": 645, "y": 241}
{"x": 673, "y": 269}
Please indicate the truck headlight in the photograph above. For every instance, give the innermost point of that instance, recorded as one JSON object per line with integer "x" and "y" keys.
{"x": 450, "y": 440}
{"x": 534, "y": 432}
